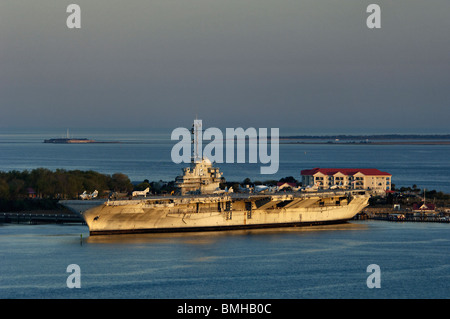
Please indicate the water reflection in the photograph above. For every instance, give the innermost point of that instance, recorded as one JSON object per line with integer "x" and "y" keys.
{"x": 209, "y": 237}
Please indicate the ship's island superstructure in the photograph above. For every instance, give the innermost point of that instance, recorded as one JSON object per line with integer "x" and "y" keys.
{"x": 201, "y": 205}
{"x": 199, "y": 178}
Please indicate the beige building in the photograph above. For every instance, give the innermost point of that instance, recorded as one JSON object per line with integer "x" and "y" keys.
{"x": 371, "y": 179}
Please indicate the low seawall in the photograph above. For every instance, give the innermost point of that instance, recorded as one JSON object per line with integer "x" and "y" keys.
{"x": 46, "y": 217}
{"x": 389, "y": 214}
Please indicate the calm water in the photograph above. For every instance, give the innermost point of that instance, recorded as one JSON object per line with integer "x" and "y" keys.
{"x": 146, "y": 155}
{"x": 313, "y": 262}
{"x": 316, "y": 262}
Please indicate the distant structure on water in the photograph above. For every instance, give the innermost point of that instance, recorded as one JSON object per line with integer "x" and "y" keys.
{"x": 68, "y": 140}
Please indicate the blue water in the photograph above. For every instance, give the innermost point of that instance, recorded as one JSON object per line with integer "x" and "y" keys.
{"x": 145, "y": 154}
{"x": 292, "y": 263}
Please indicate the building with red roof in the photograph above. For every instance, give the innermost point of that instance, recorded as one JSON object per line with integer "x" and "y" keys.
{"x": 351, "y": 178}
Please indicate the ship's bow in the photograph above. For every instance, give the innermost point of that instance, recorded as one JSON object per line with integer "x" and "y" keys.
{"x": 79, "y": 207}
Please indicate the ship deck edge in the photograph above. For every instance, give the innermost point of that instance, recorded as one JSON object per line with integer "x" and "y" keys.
{"x": 214, "y": 228}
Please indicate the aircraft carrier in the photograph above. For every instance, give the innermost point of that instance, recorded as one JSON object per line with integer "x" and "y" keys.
{"x": 206, "y": 209}
{"x": 217, "y": 212}
{"x": 200, "y": 205}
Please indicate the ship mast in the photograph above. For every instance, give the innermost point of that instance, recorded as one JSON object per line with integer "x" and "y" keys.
{"x": 196, "y": 141}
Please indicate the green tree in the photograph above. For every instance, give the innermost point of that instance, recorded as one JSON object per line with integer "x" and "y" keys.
{"x": 4, "y": 189}
{"x": 17, "y": 187}
{"x": 142, "y": 186}
{"x": 121, "y": 183}
{"x": 288, "y": 179}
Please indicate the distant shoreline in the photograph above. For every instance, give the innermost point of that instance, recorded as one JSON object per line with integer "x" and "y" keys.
{"x": 76, "y": 141}
{"x": 382, "y": 139}
{"x": 371, "y": 137}
{"x": 374, "y": 143}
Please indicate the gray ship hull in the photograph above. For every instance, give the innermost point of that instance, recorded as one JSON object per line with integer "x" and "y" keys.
{"x": 217, "y": 212}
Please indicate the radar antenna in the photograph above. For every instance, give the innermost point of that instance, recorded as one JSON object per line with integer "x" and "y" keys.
{"x": 196, "y": 141}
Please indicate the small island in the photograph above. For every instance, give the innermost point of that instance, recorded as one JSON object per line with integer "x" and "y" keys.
{"x": 71, "y": 140}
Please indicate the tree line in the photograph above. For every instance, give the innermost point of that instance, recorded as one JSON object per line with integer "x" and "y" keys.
{"x": 60, "y": 184}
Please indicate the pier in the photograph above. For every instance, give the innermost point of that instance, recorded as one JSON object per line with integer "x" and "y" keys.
{"x": 40, "y": 218}
{"x": 392, "y": 215}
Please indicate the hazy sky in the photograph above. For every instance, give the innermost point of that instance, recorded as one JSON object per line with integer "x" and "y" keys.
{"x": 311, "y": 64}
